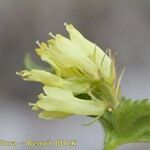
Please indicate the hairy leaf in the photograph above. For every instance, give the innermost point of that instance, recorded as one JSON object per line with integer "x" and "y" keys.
{"x": 128, "y": 123}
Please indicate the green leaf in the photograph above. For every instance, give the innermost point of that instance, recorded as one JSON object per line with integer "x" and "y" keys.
{"x": 128, "y": 123}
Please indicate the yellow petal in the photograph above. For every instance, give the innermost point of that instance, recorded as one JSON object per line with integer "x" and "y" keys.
{"x": 76, "y": 85}
{"x": 63, "y": 101}
{"x": 89, "y": 49}
{"x": 47, "y": 57}
{"x": 74, "y": 57}
{"x": 42, "y": 76}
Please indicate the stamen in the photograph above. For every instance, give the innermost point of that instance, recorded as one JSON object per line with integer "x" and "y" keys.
{"x": 17, "y": 73}
{"x": 107, "y": 50}
{"x": 31, "y": 104}
{"x": 38, "y": 42}
{"x": 65, "y": 24}
{"x": 51, "y": 34}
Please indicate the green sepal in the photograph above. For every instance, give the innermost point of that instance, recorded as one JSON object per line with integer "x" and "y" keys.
{"x": 128, "y": 123}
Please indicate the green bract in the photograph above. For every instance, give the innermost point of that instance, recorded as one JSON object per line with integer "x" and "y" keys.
{"x": 83, "y": 81}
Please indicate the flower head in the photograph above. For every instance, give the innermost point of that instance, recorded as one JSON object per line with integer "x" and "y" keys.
{"x": 83, "y": 81}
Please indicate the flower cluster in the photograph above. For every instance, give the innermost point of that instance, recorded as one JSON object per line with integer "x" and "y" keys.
{"x": 83, "y": 81}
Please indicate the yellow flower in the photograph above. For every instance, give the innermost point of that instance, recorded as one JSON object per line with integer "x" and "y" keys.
{"x": 60, "y": 103}
{"x": 77, "y": 85}
{"x": 84, "y": 78}
{"x": 91, "y": 50}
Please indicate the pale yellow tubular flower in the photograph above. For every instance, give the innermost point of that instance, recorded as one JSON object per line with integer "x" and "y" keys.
{"x": 88, "y": 47}
{"x": 42, "y": 76}
{"x": 77, "y": 86}
{"x": 72, "y": 56}
{"x": 50, "y": 54}
{"x": 58, "y": 100}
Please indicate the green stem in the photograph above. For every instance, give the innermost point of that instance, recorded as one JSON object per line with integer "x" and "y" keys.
{"x": 109, "y": 140}
{"x": 109, "y": 146}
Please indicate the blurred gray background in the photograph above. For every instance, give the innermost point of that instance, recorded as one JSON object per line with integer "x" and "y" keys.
{"x": 122, "y": 25}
